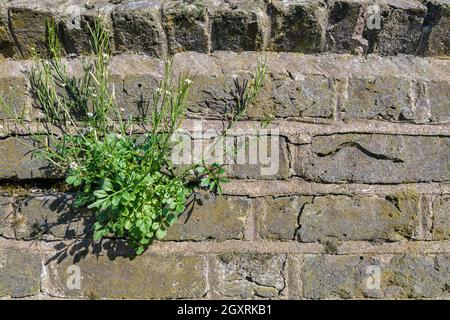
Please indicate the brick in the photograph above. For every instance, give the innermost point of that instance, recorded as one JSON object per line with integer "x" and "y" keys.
{"x": 416, "y": 277}
{"x": 75, "y": 22}
{"x": 272, "y": 164}
{"x": 238, "y": 25}
{"x": 187, "y": 26}
{"x": 146, "y": 277}
{"x": 441, "y": 218}
{"x": 278, "y": 218}
{"x": 381, "y": 98}
{"x": 300, "y": 95}
{"x": 209, "y": 217}
{"x": 436, "y": 31}
{"x": 14, "y": 87}
{"x": 355, "y": 277}
{"x": 50, "y": 215}
{"x": 138, "y": 28}
{"x": 393, "y": 218}
{"x": 19, "y": 160}
{"x": 212, "y": 218}
{"x": 373, "y": 158}
{"x": 439, "y": 100}
{"x": 297, "y": 26}
{"x": 28, "y": 24}
{"x": 344, "y": 19}
{"x": 20, "y": 273}
{"x": 401, "y": 28}
{"x": 7, "y": 45}
{"x": 246, "y": 276}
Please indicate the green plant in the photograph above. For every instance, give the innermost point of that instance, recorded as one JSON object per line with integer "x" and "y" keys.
{"x": 127, "y": 179}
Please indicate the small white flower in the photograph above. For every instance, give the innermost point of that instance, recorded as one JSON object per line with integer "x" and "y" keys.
{"x": 122, "y": 109}
{"x": 158, "y": 90}
{"x": 105, "y": 55}
{"x": 1, "y": 127}
{"x": 192, "y": 171}
{"x": 168, "y": 93}
{"x": 188, "y": 81}
{"x": 90, "y": 114}
{"x": 73, "y": 165}
{"x": 119, "y": 136}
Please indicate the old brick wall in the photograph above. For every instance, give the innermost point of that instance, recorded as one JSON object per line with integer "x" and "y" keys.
{"x": 360, "y": 205}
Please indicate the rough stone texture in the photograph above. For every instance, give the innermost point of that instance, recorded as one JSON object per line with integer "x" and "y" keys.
{"x": 247, "y": 276}
{"x": 14, "y": 90}
{"x": 349, "y": 277}
{"x": 29, "y": 28}
{"x": 359, "y": 218}
{"x": 187, "y": 26}
{"x": 7, "y": 44}
{"x": 385, "y": 98}
{"x": 436, "y": 31}
{"x": 238, "y": 25}
{"x": 212, "y": 218}
{"x": 19, "y": 162}
{"x": 374, "y": 158}
{"x": 36, "y": 216}
{"x": 344, "y": 22}
{"x": 401, "y": 29}
{"x": 416, "y": 277}
{"x": 297, "y": 26}
{"x": 279, "y": 219}
{"x": 272, "y": 164}
{"x": 144, "y": 277}
{"x": 75, "y": 19}
{"x": 329, "y": 276}
{"x": 138, "y": 28}
{"x": 439, "y": 100}
{"x": 441, "y": 218}
{"x": 20, "y": 273}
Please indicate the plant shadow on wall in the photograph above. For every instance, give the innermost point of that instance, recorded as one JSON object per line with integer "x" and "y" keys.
{"x": 120, "y": 169}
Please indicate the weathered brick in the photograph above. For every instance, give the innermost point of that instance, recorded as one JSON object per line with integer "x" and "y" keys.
{"x": 441, "y": 218}
{"x": 297, "y": 95}
{"x": 138, "y": 28}
{"x": 14, "y": 90}
{"x": 144, "y": 277}
{"x": 383, "y": 98}
{"x": 436, "y": 29}
{"x": 19, "y": 160}
{"x": 416, "y": 277}
{"x": 187, "y": 26}
{"x": 54, "y": 215}
{"x": 278, "y": 217}
{"x": 76, "y": 22}
{"x": 374, "y": 158}
{"x": 20, "y": 273}
{"x": 439, "y": 100}
{"x": 28, "y": 24}
{"x": 272, "y": 164}
{"x": 401, "y": 27}
{"x": 297, "y": 26}
{"x": 212, "y": 217}
{"x": 7, "y": 45}
{"x": 248, "y": 276}
{"x": 356, "y": 277}
{"x": 134, "y": 86}
{"x": 30, "y": 217}
{"x": 393, "y": 217}
{"x": 238, "y": 25}
{"x": 345, "y": 26}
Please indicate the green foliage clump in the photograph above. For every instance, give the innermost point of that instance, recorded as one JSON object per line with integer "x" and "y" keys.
{"x": 128, "y": 180}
